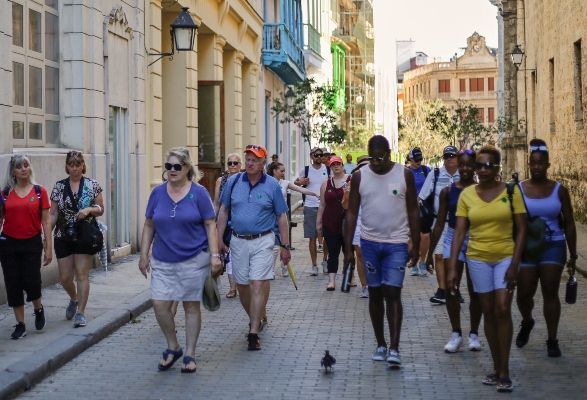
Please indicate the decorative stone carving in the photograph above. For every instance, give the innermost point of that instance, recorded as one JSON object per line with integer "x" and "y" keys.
{"x": 117, "y": 15}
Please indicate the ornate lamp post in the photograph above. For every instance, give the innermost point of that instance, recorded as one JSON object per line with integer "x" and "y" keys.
{"x": 183, "y": 33}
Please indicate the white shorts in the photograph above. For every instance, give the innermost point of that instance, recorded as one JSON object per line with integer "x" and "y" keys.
{"x": 252, "y": 260}
{"x": 439, "y": 249}
{"x": 488, "y": 276}
{"x": 182, "y": 281}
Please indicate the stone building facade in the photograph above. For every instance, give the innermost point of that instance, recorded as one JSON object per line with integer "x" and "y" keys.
{"x": 471, "y": 78}
{"x": 549, "y": 91}
{"x": 72, "y": 77}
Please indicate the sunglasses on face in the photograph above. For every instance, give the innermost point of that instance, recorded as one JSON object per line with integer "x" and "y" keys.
{"x": 539, "y": 148}
{"x": 232, "y": 163}
{"x": 253, "y": 146}
{"x": 448, "y": 156}
{"x": 488, "y": 165}
{"x": 318, "y": 155}
{"x": 169, "y": 166}
{"x": 378, "y": 159}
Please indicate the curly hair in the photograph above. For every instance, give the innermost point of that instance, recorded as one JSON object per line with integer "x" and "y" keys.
{"x": 491, "y": 150}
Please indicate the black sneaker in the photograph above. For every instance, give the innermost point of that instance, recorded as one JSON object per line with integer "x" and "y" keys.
{"x": 19, "y": 332}
{"x": 40, "y": 320}
{"x": 439, "y": 297}
{"x": 553, "y": 349}
{"x": 524, "y": 335}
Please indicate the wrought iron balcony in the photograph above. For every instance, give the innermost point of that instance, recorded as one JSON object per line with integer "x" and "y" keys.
{"x": 282, "y": 54}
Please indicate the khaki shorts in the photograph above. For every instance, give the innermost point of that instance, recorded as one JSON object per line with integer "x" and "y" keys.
{"x": 252, "y": 260}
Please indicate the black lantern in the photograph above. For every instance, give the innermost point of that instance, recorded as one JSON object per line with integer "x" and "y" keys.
{"x": 290, "y": 96}
{"x": 183, "y": 33}
{"x": 517, "y": 56}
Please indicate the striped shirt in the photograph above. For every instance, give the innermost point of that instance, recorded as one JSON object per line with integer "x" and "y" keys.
{"x": 444, "y": 179}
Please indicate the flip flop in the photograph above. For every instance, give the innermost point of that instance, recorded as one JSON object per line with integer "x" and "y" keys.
{"x": 231, "y": 293}
{"x": 176, "y": 355}
{"x": 505, "y": 385}
{"x": 490, "y": 380}
{"x": 330, "y": 288}
{"x": 186, "y": 361}
{"x": 353, "y": 284}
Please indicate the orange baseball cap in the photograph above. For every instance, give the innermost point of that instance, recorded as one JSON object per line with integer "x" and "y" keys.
{"x": 257, "y": 150}
{"x": 335, "y": 159}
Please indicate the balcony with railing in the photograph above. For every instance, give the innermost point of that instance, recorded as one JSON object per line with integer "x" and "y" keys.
{"x": 282, "y": 53}
{"x": 312, "y": 38}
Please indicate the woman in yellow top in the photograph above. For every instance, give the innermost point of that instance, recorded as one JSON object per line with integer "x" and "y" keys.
{"x": 493, "y": 256}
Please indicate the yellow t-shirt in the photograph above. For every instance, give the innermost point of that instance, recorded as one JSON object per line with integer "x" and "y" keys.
{"x": 491, "y": 230}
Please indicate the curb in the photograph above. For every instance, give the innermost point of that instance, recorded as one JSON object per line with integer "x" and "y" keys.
{"x": 24, "y": 374}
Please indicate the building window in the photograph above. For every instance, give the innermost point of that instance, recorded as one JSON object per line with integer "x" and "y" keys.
{"x": 444, "y": 86}
{"x": 35, "y": 73}
{"x": 476, "y": 84}
{"x": 491, "y": 84}
{"x": 481, "y": 114}
{"x": 491, "y": 115}
{"x": 462, "y": 85}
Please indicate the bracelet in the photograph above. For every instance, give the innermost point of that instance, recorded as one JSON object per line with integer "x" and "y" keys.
{"x": 215, "y": 255}
{"x": 98, "y": 205}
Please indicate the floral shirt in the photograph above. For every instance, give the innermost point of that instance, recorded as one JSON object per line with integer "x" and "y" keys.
{"x": 67, "y": 211}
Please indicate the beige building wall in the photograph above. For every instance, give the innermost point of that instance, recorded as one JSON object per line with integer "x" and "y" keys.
{"x": 551, "y": 90}
{"x": 478, "y": 62}
{"x": 222, "y": 70}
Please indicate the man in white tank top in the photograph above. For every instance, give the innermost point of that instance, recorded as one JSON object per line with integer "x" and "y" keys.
{"x": 386, "y": 191}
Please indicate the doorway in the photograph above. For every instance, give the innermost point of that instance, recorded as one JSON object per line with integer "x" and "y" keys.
{"x": 211, "y": 141}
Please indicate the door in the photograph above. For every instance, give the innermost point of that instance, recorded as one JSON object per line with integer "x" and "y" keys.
{"x": 118, "y": 229}
{"x": 211, "y": 153}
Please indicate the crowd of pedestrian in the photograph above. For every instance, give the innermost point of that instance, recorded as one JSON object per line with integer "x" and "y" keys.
{"x": 369, "y": 211}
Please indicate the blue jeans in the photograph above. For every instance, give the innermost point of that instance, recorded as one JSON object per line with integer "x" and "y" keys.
{"x": 385, "y": 263}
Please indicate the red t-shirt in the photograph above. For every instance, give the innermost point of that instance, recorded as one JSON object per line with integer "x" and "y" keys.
{"x": 22, "y": 217}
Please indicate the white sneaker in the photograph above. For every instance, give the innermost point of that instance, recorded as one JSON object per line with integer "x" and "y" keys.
{"x": 314, "y": 271}
{"x": 379, "y": 354}
{"x": 474, "y": 342}
{"x": 393, "y": 358}
{"x": 325, "y": 267}
{"x": 364, "y": 293}
{"x": 454, "y": 344}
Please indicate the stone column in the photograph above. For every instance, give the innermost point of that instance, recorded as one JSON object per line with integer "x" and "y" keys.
{"x": 233, "y": 99}
{"x": 6, "y": 86}
{"x": 249, "y": 95}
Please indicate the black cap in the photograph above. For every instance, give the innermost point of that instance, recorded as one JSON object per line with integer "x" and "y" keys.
{"x": 450, "y": 150}
{"x": 274, "y": 156}
{"x": 416, "y": 154}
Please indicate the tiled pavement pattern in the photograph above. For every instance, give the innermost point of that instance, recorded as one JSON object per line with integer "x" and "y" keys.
{"x": 304, "y": 323}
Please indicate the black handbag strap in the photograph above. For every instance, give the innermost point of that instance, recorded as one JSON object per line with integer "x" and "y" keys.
{"x": 69, "y": 193}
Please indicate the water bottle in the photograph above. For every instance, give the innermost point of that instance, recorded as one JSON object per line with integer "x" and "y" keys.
{"x": 346, "y": 279}
{"x": 571, "y": 295}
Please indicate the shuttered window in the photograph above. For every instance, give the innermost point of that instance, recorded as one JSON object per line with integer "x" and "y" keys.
{"x": 491, "y": 84}
{"x": 463, "y": 85}
{"x": 491, "y": 114}
{"x": 476, "y": 84}
{"x": 444, "y": 86}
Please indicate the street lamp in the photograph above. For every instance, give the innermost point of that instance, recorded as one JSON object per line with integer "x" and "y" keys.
{"x": 517, "y": 56}
{"x": 183, "y": 33}
{"x": 290, "y": 96}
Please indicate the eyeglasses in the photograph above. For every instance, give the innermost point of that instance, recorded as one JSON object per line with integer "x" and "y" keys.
{"x": 232, "y": 163}
{"x": 253, "y": 146}
{"x": 539, "y": 148}
{"x": 448, "y": 156}
{"x": 469, "y": 152}
{"x": 169, "y": 166}
{"x": 74, "y": 154}
{"x": 174, "y": 207}
{"x": 487, "y": 165}
{"x": 318, "y": 155}
{"x": 378, "y": 159}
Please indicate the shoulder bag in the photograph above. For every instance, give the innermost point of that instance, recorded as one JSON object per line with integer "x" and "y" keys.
{"x": 89, "y": 238}
{"x": 427, "y": 214}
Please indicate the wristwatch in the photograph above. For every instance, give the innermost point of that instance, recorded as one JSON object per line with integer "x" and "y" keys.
{"x": 575, "y": 257}
{"x": 286, "y": 246}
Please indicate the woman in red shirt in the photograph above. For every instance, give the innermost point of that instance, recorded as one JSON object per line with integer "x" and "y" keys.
{"x": 24, "y": 208}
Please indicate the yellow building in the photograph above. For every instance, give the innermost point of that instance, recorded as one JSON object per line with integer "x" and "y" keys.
{"x": 471, "y": 77}
{"x": 205, "y": 99}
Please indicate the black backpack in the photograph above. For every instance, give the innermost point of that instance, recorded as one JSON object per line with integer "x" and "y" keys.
{"x": 427, "y": 214}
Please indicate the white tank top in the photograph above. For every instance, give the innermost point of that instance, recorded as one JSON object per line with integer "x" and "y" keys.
{"x": 383, "y": 202}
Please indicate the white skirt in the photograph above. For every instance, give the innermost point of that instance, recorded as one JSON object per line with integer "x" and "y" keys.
{"x": 182, "y": 281}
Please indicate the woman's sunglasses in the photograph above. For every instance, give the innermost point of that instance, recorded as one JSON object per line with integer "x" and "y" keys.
{"x": 487, "y": 165}
{"x": 539, "y": 148}
{"x": 169, "y": 166}
{"x": 232, "y": 163}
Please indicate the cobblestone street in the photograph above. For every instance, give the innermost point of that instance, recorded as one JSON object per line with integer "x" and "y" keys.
{"x": 304, "y": 323}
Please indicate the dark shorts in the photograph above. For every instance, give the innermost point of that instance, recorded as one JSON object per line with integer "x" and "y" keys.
{"x": 21, "y": 264}
{"x": 65, "y": 248}
{"x": 555, "y": 254}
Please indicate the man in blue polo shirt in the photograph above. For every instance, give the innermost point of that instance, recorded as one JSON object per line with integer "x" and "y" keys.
{"x": 256, "y": 206}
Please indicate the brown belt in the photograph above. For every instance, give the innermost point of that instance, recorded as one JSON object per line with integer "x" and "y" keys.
{"x": 251, "y": 237}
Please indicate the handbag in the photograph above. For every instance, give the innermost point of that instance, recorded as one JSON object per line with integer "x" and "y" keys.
{"x": 536, "y": 229}
{"x": 89, "y": 238}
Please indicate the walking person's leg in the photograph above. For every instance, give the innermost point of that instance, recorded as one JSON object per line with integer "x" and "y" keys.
{"x": 527, "y": 285}
{"x": 166, "y": 321}
{"x": 83, "y": 265}
{"x": 66, "y": 276}
{"x": 475, "y": 314}
{"x": 193, "y": 323}
{"x": 453, "y": 308}
{"x": 310, "y": 232}
{"x": 550, "y": 277}
{"x": 14, "y": 291}
{"x": 334, "y": 242}
{"x": 30, "y": 265}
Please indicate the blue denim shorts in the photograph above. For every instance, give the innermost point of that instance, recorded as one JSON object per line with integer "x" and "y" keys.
{"x": 555, "y": 254}
{"x": 488, "y": 276}
{"x": 448, "y": 235}
{"x": 384, "y": 263}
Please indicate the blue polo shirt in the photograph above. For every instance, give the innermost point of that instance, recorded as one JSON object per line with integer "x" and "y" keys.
{"x": 254, "y": 209}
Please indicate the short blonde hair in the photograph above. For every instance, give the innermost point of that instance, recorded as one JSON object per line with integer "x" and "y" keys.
{"x": 15, "y": 161}
{"x": 183, "y": 155}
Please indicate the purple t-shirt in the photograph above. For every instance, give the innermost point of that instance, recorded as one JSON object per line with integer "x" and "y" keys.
{"x": 180, "y": 234}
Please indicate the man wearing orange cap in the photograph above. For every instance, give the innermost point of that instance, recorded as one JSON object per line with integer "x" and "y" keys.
{"x": 256, "y": 205}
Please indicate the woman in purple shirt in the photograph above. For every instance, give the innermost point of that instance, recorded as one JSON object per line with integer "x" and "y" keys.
{"x": 180, "y": 223}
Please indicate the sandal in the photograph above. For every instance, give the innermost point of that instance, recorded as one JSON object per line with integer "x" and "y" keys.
{"x": 166, "y": 353}
{"x": 330, "y": 288}
{"x": 505, "y": 385}
{"x": 231, "y": 293}
{"x": 186, "y": 361}
{"x": 490, "y": 379}
{"x": 353, "y": 284}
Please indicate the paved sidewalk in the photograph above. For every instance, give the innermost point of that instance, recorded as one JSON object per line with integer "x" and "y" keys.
{"x": 304, "y": 323}
{"x": 115, "y": 297}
